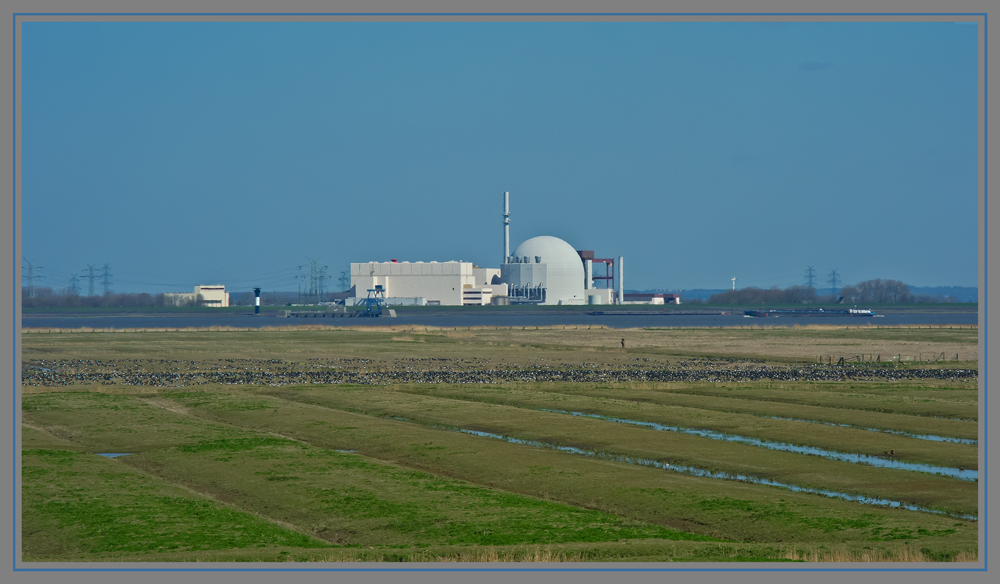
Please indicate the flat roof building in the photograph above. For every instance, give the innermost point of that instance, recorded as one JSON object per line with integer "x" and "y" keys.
{"x": 213, "y": 295}
{"x": 441, "y": 283}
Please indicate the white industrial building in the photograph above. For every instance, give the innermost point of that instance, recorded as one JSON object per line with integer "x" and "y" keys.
{"x": 542, "y": 270}
{"x": 214, "y": 295}
{"x": 445, "y": 283}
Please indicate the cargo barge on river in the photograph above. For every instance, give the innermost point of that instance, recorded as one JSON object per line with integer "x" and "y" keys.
{"x": 811, "y": 312}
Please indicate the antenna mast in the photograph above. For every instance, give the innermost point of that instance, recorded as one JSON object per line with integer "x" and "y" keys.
{"x": 506, "y": 226}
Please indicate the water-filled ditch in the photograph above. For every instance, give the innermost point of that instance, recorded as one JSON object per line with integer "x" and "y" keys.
{"x": 700, "y": 472}
{"x": 885, "y": 430}
{"x": 695, "y": 471}
{"x": 867, "y": 459}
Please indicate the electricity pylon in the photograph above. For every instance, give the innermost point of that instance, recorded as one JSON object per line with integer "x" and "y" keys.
{"x": 106, "y": 278}
{"x": 31, "y": 276}
{"x": 810, "y": 277}
{"x": 90, "y": 276}
{"x": 834, "y": 281}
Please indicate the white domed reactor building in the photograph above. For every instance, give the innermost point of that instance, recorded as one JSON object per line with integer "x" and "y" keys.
{"x": 542, "y": 270}
{"x": 545, "y": 270}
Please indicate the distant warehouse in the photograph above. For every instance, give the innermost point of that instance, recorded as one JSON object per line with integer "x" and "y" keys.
{"x": 445, "y": 283}
{"x": 214, "y": 295}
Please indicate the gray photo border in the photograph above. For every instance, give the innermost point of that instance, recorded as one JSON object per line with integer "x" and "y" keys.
{"x": 102, "y": 10}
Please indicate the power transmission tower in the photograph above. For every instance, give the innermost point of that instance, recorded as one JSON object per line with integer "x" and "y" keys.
{"x": 106, "y": 278}
{"x": 74, "y": 287}
{"x": 300, "y": 277}
{"x": 320, "y": 277}
{"x": 810, "y": 277}
{"x": 345, "y": 281}
{"x": 31, "y": 276}
{"x": 316, "y": 277}
{"x": 314, "y": 292}
{"x": 834, "y": 281}
{"x": 314, "y": 287}
{"x": 90, "y": 276}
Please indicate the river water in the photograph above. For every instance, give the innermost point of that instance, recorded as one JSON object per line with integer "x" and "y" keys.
{"x": 652, "y": 320}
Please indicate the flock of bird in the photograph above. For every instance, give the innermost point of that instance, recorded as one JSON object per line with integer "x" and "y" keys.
{"x": 173, "y": 373}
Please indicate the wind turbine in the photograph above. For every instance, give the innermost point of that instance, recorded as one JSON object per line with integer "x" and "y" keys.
{"x": 734, "y": 283}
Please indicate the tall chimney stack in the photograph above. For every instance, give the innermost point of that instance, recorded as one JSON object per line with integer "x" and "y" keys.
{"x": 506, "y": 226}
{"x": 621, "y": 280}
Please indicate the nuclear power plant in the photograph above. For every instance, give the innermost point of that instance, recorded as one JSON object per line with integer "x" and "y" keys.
{"x": 543, "y": 270}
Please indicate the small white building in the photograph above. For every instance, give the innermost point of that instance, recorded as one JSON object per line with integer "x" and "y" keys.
{"x": 643, "y": 298}
{"x": 600, "y": 296}
{"x": 214, "y": 295}
{"x": 482, "y": 295}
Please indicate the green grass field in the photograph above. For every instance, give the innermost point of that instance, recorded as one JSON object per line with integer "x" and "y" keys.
{"x": 233, "y": 452}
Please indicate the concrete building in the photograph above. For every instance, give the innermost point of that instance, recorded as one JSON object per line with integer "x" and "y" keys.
{"x": 445, "y": 283}
{"x": 483, "y": 295}
{"x": 545, "y": 270}
{"x": 214, "y": 295}
{"x": 485, "y": 276}
{"x": 542, "y": 270}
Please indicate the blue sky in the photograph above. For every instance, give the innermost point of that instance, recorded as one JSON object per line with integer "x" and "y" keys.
{"x": 198, "y": 153}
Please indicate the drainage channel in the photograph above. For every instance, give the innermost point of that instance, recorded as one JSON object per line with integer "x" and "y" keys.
{"x": 694, "y": 471}
{"x": 896, "y": 432}
{"x": 794, "y": 403}
{"x": 958, "y": 473}
{"x": 700, "y": 472}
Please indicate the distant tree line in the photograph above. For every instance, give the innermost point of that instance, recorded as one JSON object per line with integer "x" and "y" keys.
{"x": 879, "y": 291}
{"x": 45, "y": 298}
{"x": 774, "y": 295}
{"x": 875, "y": 291}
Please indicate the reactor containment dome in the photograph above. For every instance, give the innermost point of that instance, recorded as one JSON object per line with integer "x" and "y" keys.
{"x": 545, "y": 270}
